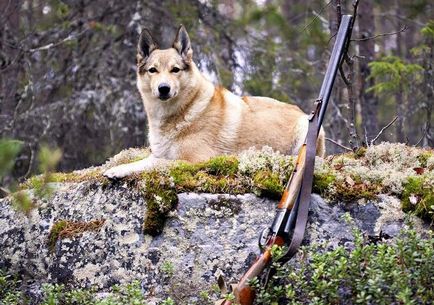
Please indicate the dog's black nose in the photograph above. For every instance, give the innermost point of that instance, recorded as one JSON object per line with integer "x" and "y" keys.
{"x": 164, "y": 89}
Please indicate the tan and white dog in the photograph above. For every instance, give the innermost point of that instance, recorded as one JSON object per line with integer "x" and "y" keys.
{"x": 191, "y": 119}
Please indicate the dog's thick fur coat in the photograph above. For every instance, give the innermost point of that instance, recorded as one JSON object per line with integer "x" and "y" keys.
{"x": 190, "y": 119}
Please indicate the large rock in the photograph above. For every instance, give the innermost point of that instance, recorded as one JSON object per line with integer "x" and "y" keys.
{"x": 207, "y": 234}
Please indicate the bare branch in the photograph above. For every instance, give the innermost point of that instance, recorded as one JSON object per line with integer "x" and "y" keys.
{"x": 344, "y": 78}
{"x": 32, "y": 159}
{"x": 338, "y": 144}
{"x": 424, "y": 134}
{"x": 4, "y": 192}
{"x": 317, "y": 16}
{"x": 339, "y": 114}
{"x": 55, "y": 44}
{"x": 348, "y": 78}
{"x": 404, "y": 28}
{"x": 382, "y": 130}
{"x": 347, "y": 58}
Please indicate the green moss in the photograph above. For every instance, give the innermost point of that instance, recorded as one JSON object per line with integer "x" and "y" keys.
{"x": 184, "y": 174}
{"x": 322, "y": 182}
{"x": 161, "y": 198}
{"x": 419, "y": 190}
{"x": 36, "y": 182}
{"x": 360, "y": 152}
{"x": 423, "y": 158}
{"x": 264, "y": 173}
{"x": 268, "y": 183}
{"x": 222, "y": 165}
{"x": 160, "y": 189}
{"x": 55, "y": 231}
{"x": 351, "y": 188}
{"x": 349, "y": 192}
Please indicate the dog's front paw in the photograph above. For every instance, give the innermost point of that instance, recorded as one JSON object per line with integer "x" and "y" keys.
{"x": 117, "y": 172}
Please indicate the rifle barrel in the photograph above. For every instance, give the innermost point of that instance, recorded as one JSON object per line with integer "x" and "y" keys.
{"x": 333, "y": 66}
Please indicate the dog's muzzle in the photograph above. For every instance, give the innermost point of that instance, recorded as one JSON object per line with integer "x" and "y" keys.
{"x": 164, "y": 91}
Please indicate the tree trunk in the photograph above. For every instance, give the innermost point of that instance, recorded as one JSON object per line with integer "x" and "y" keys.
{"x": 368, "y": 101}
{"x": 10, "y": 63}
{"x": 429, "y": 89}
{"x": 400, "y": 96}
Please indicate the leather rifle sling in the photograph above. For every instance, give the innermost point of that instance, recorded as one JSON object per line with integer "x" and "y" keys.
{"x": 306, "y": 185}
{"x": 315, "y": 120}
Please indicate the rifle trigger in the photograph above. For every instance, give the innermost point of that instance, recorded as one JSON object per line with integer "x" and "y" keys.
{"x": 263, "y": 238}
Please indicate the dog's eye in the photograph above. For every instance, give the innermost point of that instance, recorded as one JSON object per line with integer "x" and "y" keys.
{"x": 152, "y": 70}
{"x": 175, "y": 70}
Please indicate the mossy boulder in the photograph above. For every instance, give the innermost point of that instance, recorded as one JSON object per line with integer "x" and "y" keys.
{"x": 200, "y": 220}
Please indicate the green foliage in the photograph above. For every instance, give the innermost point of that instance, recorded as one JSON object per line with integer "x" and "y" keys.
{"x": 62, "y": 10}
{"x": 168, "y": 301}
{"x": 428, "y": 30}
{"x": 8, "y": 151}
{"x": 418, "y": 196}
{"x": 280, "y": 56}
{"x": 415, "y": 7}
{"x": 10, "y": 293}
{"x": 269, "y": 14}
{"x": 54, "y": 294}
{"x": 22, "y": 202}
{"x": 399, "y": 273}
{"x": 48, "y": 160}
{"x": 168, "y": 269}
{"x": 392, "y": 74}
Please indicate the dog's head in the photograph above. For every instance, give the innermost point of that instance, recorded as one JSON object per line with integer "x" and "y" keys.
{"x": 163, "y": 74}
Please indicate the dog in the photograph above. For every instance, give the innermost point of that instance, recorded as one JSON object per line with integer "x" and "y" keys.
{"x": 190, "y": 119}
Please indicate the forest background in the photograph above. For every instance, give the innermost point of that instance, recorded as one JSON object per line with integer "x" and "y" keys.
{"x": 67, "y": 68}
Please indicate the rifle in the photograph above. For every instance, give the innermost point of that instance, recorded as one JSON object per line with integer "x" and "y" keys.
{"x": 290, "y": 221}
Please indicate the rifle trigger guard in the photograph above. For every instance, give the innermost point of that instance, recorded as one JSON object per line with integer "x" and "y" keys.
{"x": 263, "y": 238}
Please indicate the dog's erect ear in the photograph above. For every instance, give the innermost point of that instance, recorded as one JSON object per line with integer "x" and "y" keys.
{"x": 146, "y": 44}
{"x": 182, "y": 44}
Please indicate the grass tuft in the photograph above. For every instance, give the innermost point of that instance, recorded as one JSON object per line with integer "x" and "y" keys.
{"x": 67, "y": 229}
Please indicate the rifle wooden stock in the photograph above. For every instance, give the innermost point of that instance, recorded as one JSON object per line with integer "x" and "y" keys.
{"x": 292, "y": 188}
{"x": 244, "y": 294}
